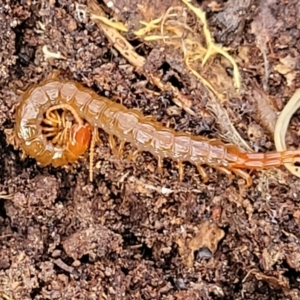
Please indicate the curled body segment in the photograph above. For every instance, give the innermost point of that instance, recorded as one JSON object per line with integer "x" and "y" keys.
{"x": 128, "y": 125}
{"x": 28, "y": 131}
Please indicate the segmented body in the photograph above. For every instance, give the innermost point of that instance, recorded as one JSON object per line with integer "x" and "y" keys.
{"x": 128, "y": 125}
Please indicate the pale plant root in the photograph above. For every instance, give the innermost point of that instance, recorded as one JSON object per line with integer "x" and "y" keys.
{"x": 281, "y": 128}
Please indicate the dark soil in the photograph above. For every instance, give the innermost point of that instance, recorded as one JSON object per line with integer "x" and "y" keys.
{"x": 125, "y": 235}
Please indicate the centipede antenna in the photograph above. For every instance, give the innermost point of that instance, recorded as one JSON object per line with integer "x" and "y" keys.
{"x": 92, "y": 152}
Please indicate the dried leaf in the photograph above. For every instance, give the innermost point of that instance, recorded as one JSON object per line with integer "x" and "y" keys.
{"x": 208, "y": 236}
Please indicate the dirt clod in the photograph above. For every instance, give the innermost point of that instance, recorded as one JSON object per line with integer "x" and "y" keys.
{"x": 95, "y": 241}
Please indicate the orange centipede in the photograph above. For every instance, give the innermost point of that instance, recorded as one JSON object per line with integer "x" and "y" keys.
{"x": 128, "y": 125}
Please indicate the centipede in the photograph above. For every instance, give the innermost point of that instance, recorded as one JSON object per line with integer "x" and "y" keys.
{"x": 63, "y": 142}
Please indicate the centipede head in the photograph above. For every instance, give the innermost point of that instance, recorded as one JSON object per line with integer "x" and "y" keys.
{"x": 79, "y": 139}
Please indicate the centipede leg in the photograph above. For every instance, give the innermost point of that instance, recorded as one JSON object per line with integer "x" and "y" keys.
{"x": 49, "y": 122}
{"x": 53, "y": 75}
{"x": 98, "y": 140}
{"x": 134, "y": 155}
{"x": 202, "y": 173}
{"x": 244, "y": 175}
{"x": 151, "y": 119}
{"x": 159, "y": 164}
{"x": 50, "y": 134}
{"x": 180, "y": 170}
{"x": 53, "y": 130}
{"x": 112, "y": 143}
{"x": 58, "y": 139}
{"x": 63, "y": 118}
{"x": 52, "y": 118}
{"x": 226, "y": 172}
{"x": 121, "y": 148}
